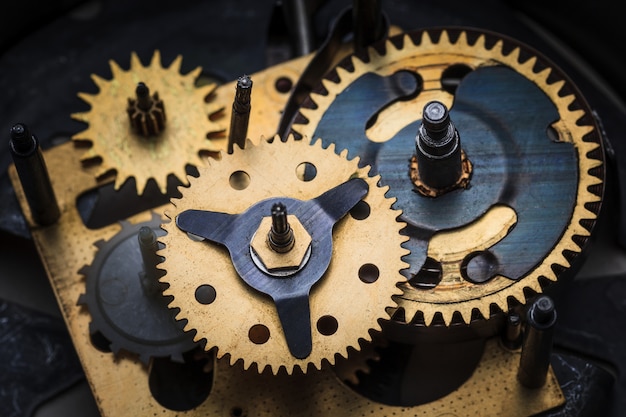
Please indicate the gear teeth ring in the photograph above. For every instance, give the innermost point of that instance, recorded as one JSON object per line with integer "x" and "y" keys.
{"x": 183, "y": 140}
{"x": 421, "y": 52}
{"x": 272, "y": 170}
{"x": 123, "y": 316}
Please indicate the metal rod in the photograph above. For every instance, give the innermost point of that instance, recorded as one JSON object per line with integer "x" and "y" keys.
{"x": 280, "y": 237}
{"x": 299, "y": 23}
{"x": 33, "y": 175}
{"x": 241, "y": 114}
{"x": 438, "y": 148}
{"x": 537, "y": 345}
{"x": 148, "y": 246}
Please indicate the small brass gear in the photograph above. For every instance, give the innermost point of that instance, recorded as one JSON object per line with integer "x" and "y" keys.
{"x": 128, "y": 152}
{"x": 354, "y": 289}
{"x": 430, "y": 56}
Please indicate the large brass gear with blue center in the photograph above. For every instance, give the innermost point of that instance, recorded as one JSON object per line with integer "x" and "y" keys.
{"x": 346, "y": 280}
{"x": 538, "y": 164}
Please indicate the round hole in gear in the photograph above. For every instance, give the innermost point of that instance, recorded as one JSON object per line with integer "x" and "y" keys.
{"x": 429, "y": 276}
{"x": 479, "y": 267}
{"x": 205, "y": 294}
{"x": 236, "y": 412}
{"x": 361, "y": 211}
{"x": 283, "y": 85}
{"x": 327, "y": 325}
{"x": 259, "y": 334}
{"x": 368, "y": 273}
{"x": 306, "y": 171}
{"x": 239, "y": 180}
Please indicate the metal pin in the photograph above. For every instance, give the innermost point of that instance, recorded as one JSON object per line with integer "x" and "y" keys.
{"x": 146, "y": 112}
{"x": 537, "y": 345}
{"x": 512, "y": 337}
{"x": 33, "y": 175}
{"x": 148, "y": 246}
{"x": 144, "y": 102}
{"x": 438, "y": 148}
{"x": 241, "y": 113}
{"x": 280, "y": 236}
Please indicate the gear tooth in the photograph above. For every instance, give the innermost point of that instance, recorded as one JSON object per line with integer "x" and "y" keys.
{"x": 426, "y": 40}
{"x": 444, "y": 39}
{"x": 556, "y": 87}
{"x": 144, "y": 358}
{"x": 135, "y": 62}
{"x": 194, "y": 73}
{"x": 99, "y": 81}
{"x": 481, "y": 42}
{"x": 116, "y": 70}
{"x": 84, "y": 270}
{"x": 428, "y": 317}
{"x": 529, "y": 65}
{"x": 87, "y": 98}
{"x": 484, "y": 310}
{"x": 344, "y": 153}
{"x": 447, "y": 317}
{"x": 249, "y": 143}
{"x": 115, "y": 348}
{"x": 462, "y": 40}
{"x": 342, "y": 73}
{"x": 81, "y": 117}
{"x": 389, "y": 46}
{"x": 155, "y": 61}
{"x": 515, "y": 55}
{"x": 99, "y": 243}
{"x": 543, "y": 75}
{"x": 82, "y": 300}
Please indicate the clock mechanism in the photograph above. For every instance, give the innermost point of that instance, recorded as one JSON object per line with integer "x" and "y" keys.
{"x": 382, "y": 225}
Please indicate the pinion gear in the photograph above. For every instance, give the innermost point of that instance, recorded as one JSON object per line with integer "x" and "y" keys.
{"x": 125, "y": 149}
{"x": 422, "y": 62}
{"x": 243, "y": 322}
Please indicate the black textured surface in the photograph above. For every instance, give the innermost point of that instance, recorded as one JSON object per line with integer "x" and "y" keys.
{"x": 37, "y": 359}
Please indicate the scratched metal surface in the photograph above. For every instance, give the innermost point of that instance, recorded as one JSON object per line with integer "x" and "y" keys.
{"x": 515, "y": 162}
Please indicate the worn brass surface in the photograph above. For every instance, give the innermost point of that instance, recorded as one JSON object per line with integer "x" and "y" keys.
{"x": 120, "y": 386}
{"x": 120, "y": 147}
{"x": 272, "y": 170}
{"x": 430, "y": 59}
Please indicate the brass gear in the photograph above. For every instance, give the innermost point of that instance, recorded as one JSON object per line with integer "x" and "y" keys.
{"x": 430, "y": 53}
{"x": 127, "y": 152}
{"x": 228, "y": 322}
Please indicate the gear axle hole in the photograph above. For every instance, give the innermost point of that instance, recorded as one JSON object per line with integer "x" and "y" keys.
{"x": 360, "y": 211}
{"x": 306, "y": 171}
{"x": 327, "y": 325}
{"x": 369, "y": 273}
{"x": 259, "y": 334}
{"x": 205, "y": 294}
{"x": 239, "y": 180}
